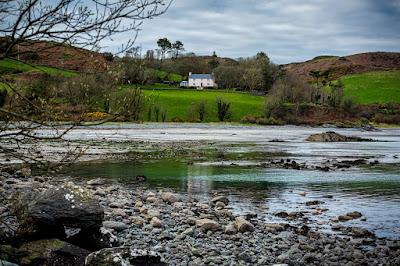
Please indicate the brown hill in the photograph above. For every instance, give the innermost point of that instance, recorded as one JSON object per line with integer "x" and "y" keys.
{"x": 347, "y": 65}
{"x": 60, "y": 56}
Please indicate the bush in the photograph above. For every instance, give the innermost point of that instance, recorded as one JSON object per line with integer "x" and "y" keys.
{"x": 3, "y": 97}
{"x": 131, "y": 104}
{"x": 348, "y": 104}
{"x": 223, "y": 111}
{"x": 89, "y": 89}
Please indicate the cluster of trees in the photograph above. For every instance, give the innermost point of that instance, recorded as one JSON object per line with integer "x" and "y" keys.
{"x": 257, "y": 73}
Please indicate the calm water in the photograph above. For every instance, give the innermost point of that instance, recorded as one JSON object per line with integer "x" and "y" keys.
{"x": 374, "y": 192}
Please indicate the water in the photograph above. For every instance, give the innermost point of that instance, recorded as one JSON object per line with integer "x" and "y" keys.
{"x": 374, "y": 191}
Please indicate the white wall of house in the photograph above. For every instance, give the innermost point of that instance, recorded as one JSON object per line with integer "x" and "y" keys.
{"x": 204, "y": 83}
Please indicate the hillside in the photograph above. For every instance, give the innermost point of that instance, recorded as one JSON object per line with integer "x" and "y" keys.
{"x": 347, "y": 65}
{"x": 60, "y": 56}
{"x": 373, "y": 87}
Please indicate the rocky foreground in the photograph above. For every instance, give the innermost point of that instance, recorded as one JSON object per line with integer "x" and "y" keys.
{"x": 56, "y": 222}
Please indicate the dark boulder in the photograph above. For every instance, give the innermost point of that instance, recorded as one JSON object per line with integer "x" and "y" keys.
{"x": 65, "y": 212}
{"x": 124, "y": 256}
{"x": 51, "y": 252}
{"x": 334, "y": 137}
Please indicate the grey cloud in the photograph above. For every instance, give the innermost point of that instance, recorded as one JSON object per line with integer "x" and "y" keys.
{"x": 288, "y": 30}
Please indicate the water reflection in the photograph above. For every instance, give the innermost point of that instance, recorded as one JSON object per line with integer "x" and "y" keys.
{"x": 265, "y": 191}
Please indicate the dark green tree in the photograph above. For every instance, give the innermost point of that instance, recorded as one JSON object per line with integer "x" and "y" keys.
{"x": 165, "y": 46}
{"x": 214, "y": 62}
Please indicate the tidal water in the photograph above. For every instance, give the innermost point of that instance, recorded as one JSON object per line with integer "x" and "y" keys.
{"x": 374, "y": 191}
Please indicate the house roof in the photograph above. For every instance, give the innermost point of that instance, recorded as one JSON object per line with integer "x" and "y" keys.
{"x": 201, "y": 76}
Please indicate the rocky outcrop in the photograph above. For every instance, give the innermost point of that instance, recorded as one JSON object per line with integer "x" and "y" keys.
{"x": 124, "y": 256}
{"x": 69, "y": 213}
{"x": 51, "y": 252}
{"x": 331, "y": 136}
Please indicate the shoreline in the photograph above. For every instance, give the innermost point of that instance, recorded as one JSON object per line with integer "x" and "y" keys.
{"x": 183, "y": 230}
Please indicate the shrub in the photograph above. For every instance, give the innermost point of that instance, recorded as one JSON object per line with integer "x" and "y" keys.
{"x": 348, "y": 104}
{"x": 89, "y": 89}
{"x": 201, "y": 109}
{"x": 223, "y": 111}
{"x": 3, "y": 97}
{"x": 132, "y": 104}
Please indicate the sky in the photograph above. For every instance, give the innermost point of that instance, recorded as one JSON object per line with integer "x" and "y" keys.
{"x": 287, "y": 30}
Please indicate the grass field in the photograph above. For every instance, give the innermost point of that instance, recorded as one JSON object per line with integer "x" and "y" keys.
{"x": 373, "y": 87}
{"x": 10, "y": 66}
{"x": 182, "y": 103}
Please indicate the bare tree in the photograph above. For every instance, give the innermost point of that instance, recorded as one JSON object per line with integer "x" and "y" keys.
{"x": 81, "y": 23}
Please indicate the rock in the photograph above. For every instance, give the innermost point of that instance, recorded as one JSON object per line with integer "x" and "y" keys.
{"x": 302, "y": 193}
{"x": 230, "y": 229}
{"x": 187, "y": 232}
{"x": 151, "y": 195}
{"x": 191, "y": 221}
{"x": 220, "y": 205}
{"x": 281, "y": 214}
{"x": 274, "y": 227}
{"x": 344, "y": 218}
{"x": 361, "y": 232}
{"x": 100, "y": 192}
{"x": 141, "y": 178}
{"x": 153, "y": 213}
{"x": 354, "y": 215}
{"x": 169, "y": 197}
{"x": 51, "y": 252}
{"x": 138, "y": 204}
{"x": 119, "y": 212}
{"x": 333, "y": 137}
{"x": 151, "y": 199}
{"x": 313, "y": 202}
{"x": 242, "y": 225}
{"x": 117, "y": 226}
{"x": 7, "y": 263}
{"x": 207, "y": 224}
{"x": 124, "y": 256}
{"x": 155, "y": 222}
{"x": 47, "y": 214}
{"x": 96, "y": 182}
{"x": 137, "y": 220}
{"x": 223, "y": 199}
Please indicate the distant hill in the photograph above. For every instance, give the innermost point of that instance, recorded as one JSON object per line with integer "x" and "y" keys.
{"x": 60, "y": 56}
{"x": 347, "y": 65}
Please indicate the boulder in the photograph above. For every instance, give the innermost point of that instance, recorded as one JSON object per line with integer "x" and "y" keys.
{"x": 331, "y": 136}
{"x": 223, "y": 199}
{"x": 117, "y": 226}
{"x": 354, "y": 215}
{"x": 230, "y": 229}
{"x": 124, "y": 256}
{"x": 361, "y": 232}
{"x": 51, "y": 213}
{"x": 51, "y": 252}
{"x": 169, "y": 197}
{"x": 207, "y": 224}
{"x": 242, "y": 225}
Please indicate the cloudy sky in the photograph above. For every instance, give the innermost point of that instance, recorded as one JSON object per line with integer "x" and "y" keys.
{"x": 288, "y": 30}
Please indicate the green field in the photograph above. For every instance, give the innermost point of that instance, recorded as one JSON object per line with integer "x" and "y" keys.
{"x": 373, "y": 87}
{"x": 181, "y": 103}
{"x": 10, "y": 66}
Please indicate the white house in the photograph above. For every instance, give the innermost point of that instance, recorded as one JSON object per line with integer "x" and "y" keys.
{"x": 201, "y": 81}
